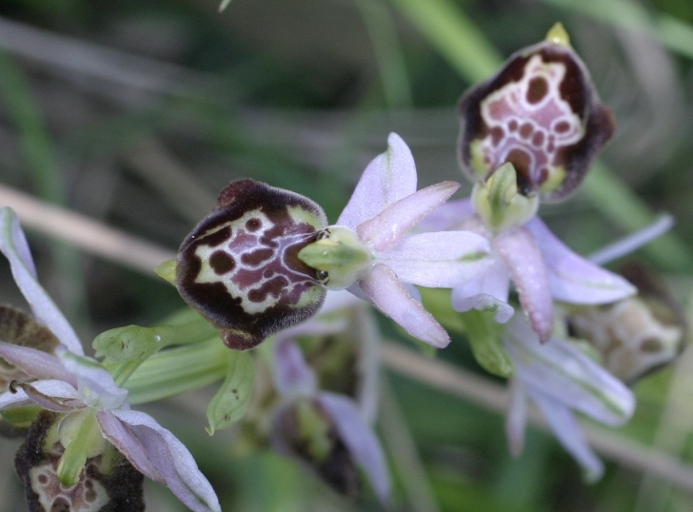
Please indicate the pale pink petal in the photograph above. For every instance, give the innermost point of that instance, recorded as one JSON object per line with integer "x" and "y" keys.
{"x": 14, "y": 246}
{"x": 36, "y": 363}
{"x": 384, "y": 230}
{"x": 523, "y": 260}
{"x": 488, "y": 292}
{"x": 565, "y": 427}
{"x": 119, "y": 435}
{"x": 390, "y": 177}
{"x": 360, "y": 441}
{"x": 292, "y": 375}
{"x": 572, "y": 278}
{"x": 172, "y": 461}
{"x": 516, "y": 419}
{"x": 391, "y": 297}
{"x": 438, "y": 260}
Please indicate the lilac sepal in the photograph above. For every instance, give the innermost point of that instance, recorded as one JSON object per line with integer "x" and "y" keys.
{"x": 360, "y": 440}
{"x": 172, "y": 461}
{"x": 292, "y": 375}
{"x": 433, "y": 259}
{"x": 519, "y": 252}
{"x": 389, "y": 177}
{"x": 561, "y": 371}
{"x": 120, "y": 435}
{"x": 489, "y": 291}
{"x": 36, "y": 363}
{"x": 14, "y": 246}
{"x": 390, "y": 295}
{"x": 385, "y": 230}
{"x": 575, "y": 279}
{"x": 565, "y": 427}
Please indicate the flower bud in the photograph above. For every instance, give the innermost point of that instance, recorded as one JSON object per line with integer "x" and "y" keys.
{"x": 239, "y": 267}
{"x": 541, "y": 113}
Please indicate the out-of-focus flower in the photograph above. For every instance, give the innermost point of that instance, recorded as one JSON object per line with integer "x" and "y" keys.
{"x": 561, "y": 379}
{"x": 324, "y": 429}
{"x": 637, "y": 335}
{"x": 523, "y": 249}
{"x": 371, "y": 252}
{"x": 93, "y": 414}
{"x": 239, "y": 267}
{"x": 541, "y": 113}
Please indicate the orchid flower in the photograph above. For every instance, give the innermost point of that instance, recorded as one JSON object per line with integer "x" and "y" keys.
{"x": 325, "y": 429}
{"x": 371, "y": 252}
{"x": 561, "y": 380}
{"x": 530, "y": 130}
{"x": 261, "y": 260}
{"x": 93, "y": 412}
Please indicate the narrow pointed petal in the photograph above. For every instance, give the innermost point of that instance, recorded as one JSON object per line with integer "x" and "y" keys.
{"x": 565, "y": 427}
{"x": 360, "y": 440}
{"x": 632, "y": 242}
{"x": 438, "y": 260}
{"x": 14, "y": 246}
{"x": 390, "y": 296}
{"x": 120, "y": 436}
{"x": 488, "y": 292}
{"x": 390, "y": 177}
{"x": 516, "y": 419}
{"x": 292, "y": 375}
{"x": 559, "y": 370}
{"x": 573, "y": 278}
{"x": 383, "y": 231}
{"x": 522, "y": 258}
{"x": 173, "y": 461}
{"x": 36, "y": 363}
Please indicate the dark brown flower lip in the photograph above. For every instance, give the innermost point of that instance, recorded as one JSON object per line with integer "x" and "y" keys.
{"x": 239, "y": 266}
{"x": 542, "y": 113}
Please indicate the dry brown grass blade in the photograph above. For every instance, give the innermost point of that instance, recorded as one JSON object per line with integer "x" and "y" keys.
{"x": 89, "y": 235}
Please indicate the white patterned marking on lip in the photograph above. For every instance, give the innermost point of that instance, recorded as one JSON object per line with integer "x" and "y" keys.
{"x": 537, "y": 128}
{"x": 261, "y": 282}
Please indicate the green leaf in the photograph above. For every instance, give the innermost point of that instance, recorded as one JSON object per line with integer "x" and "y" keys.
{"x": 484, "y": 335}
{"x": 457, "y": 38}
{"x": 177, "y": 370}
{"x": 232, "y": 399}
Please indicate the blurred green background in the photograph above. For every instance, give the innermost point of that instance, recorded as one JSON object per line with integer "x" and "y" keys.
{"x": 135, "y": 113}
